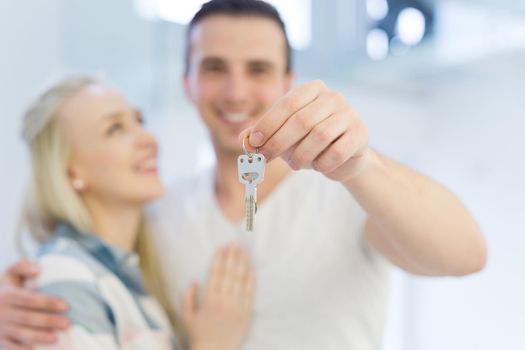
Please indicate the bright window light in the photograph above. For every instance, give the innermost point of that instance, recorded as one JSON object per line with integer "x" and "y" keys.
{"x": 398, "y": 47}
{"x": 377, "y": 44}
{"x": 296, "y": 14}
{"x": 377, "y": 9}
{"x": 179, "y": 12}
{"x": 410, "y": 26}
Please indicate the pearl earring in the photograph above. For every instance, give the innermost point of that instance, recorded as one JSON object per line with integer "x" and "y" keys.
{"x": 78, "y": 184}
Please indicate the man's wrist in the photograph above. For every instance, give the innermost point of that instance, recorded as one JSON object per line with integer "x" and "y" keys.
{"x": 370, "y": 163}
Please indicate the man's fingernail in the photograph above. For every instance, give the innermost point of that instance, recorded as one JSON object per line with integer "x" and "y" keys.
{"x": 256, "y": 138}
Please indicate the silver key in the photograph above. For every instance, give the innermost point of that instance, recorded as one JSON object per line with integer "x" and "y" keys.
{"x": 251, "y": 173}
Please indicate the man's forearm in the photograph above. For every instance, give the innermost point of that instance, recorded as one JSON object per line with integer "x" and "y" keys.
{"x": 414, "y": 221}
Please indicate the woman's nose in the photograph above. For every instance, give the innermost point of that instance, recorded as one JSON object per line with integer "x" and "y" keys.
{"x": 146, "y": 139}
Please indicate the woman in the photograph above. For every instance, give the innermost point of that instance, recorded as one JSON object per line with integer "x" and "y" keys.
{"x": 94, "y": 167}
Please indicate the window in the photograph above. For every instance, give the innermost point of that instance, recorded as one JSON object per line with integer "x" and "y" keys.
{"x": 296, "y": 14}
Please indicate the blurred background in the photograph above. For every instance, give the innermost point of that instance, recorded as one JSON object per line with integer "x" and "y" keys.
{"x": 441, "y": 85}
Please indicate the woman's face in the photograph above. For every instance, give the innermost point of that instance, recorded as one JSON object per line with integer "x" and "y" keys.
{"x": 114, "y": 158}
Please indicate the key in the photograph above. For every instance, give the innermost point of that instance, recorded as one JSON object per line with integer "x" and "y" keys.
{"x": 251, "y": 173}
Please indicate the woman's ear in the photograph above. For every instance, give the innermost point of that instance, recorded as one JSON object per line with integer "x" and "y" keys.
{"x": 76, "y": 181}
{"x": 78, "y": 185}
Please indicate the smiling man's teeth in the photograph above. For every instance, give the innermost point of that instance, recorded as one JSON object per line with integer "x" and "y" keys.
{"x": 236, "y": 117}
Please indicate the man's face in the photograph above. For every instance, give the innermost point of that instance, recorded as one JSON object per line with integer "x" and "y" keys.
{"x": 237, "y": 71}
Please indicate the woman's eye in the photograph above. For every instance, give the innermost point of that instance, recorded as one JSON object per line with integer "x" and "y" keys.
{"x": 114, "y": 128}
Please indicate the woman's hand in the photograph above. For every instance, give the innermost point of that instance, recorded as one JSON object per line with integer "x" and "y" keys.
{"x": 220, "y": 318}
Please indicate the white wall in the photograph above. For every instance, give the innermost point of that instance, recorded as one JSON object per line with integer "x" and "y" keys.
{"x": 479, "y": 151}
{"x": 464, "y": 126}
{"x": 30, "y": 53}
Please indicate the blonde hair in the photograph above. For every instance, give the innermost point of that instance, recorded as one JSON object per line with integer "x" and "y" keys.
{"x": 52, "y": 199}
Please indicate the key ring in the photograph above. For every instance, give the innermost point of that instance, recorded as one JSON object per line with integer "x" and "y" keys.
{"x": 244, "y": 147}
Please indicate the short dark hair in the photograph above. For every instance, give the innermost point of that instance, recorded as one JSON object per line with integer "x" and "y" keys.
{"x": 237, "y": 8}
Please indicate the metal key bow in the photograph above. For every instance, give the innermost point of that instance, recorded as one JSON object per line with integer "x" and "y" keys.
{"x": 251, "y": 173}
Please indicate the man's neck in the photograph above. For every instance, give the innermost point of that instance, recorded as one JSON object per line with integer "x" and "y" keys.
{"x": 229, "y": 192}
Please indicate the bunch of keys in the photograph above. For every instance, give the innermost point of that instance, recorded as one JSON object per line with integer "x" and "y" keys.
{"x": 251, "y": 173}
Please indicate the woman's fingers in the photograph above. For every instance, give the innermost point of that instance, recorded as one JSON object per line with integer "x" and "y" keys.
{"x": 228, "y": 278}
{"x": 240, "y": 273}
{"x": 217, "y": 270}
{"x": 232, "y": 276}
{"x": 224, "y": 313}
{"x": 189, "y": 302}
{"x": 248, "y": 289}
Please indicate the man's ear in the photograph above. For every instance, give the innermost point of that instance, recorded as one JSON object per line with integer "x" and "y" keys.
{"x": 187, "y": 88}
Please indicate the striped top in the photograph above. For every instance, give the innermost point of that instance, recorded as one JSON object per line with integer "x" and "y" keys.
{"x": 102, "y": 285}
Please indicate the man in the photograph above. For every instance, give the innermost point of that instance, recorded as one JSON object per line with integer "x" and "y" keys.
{"x": 321, "y": 235}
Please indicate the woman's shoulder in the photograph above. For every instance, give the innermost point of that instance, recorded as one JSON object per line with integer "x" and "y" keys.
{"x": 60, "y": 259}
{"x": 66, "y": 272}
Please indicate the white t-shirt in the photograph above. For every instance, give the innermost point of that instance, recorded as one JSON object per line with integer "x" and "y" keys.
{"x": 319, "y": 285}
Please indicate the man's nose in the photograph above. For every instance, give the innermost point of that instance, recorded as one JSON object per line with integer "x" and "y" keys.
{"x": 236, "y": 87}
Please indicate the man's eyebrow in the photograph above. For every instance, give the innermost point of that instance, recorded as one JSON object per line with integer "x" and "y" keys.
{"x": 212, "y": 59}
{"x": 261, "y": 63}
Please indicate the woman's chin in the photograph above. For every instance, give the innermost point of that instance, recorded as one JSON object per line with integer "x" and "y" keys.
{"x": 153, "y": 194}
